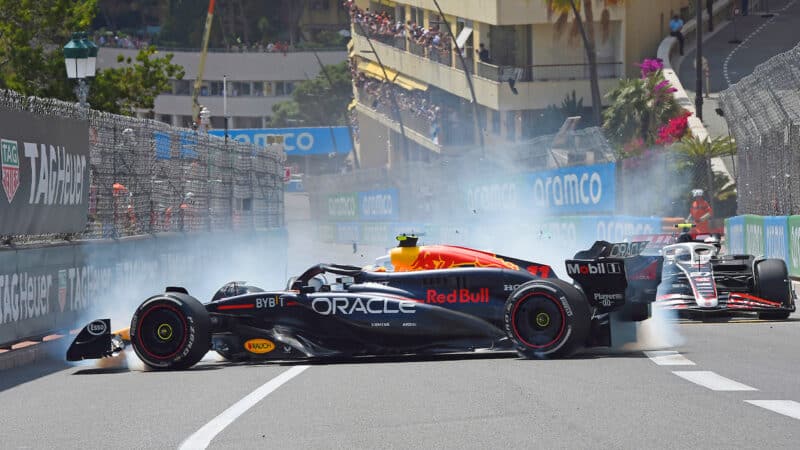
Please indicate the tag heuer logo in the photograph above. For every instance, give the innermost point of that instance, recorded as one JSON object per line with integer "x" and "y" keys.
{"x": 10, "y": 163}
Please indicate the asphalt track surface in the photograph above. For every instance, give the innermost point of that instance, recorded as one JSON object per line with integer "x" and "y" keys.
{"x": 598, "y": 399}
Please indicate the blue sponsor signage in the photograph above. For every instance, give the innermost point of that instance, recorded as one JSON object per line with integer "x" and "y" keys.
{"x": 296, "y": 141}
{"x": 574, "y": 190}
{"x": 776, "y": 237}
{"x": 162, "y": 141}
{"x": 378, "y": 205}
{"x": 348, "y": 232}
{"x": 618, "y": 228}
{"x": 734, "y": 235}
{"x": 188, "y": 145}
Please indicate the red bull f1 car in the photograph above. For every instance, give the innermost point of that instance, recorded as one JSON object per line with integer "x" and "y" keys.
{"x": 698, "y": 280}
{"x": 433, "y": 299}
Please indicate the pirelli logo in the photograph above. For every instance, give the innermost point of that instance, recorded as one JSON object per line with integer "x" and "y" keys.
{"x": 594, "y": 268}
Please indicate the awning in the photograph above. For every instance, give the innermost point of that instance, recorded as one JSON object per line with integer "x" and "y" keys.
{"x": 463, "y": 36}
{"x": 352, "y": 104}
{"x": 374, "y": 70}
{"x": 410, "y": 84}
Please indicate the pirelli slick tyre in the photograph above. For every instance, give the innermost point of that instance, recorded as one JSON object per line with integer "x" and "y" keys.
{"x": 547, "y": 319}
{"x": 170, "y": 331}
{"x": 773, "y": 284}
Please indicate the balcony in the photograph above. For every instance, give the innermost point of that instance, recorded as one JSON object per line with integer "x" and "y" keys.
{"x": 538, "y": 86}
{"x": 547, "y": 72}
{"x": 423, "y": 124}
{"x": 501, "y": 12}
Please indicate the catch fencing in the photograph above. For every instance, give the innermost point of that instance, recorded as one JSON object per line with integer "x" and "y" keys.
{"x": 148, "y": 177}
{"x": 763, "y": 113}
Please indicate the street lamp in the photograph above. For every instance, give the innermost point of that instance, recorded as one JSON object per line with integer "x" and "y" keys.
{"x": 80, "y": 59}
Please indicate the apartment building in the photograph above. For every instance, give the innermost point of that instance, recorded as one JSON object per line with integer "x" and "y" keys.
{"x": 330, "y": 15}
{"x": 529, "y": 62}
{"x": 256, "y": 82}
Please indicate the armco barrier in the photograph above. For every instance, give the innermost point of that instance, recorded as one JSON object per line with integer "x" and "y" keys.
{"x": 793, "y": 234}
{"x": 754, "y": 235}
{"x": 768, "y": 236}
{"x": 734, "y": 235}
{"x": 49, "y": 288}
{"x": 776, "y": 239}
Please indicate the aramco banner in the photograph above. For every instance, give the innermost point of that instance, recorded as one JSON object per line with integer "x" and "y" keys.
{"x": 296, "y": 141}
{"x": 45, "y": 174}
{"x": 574, "y": 190}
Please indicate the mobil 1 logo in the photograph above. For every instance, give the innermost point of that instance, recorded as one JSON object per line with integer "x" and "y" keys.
{"x": 594, "y": 268}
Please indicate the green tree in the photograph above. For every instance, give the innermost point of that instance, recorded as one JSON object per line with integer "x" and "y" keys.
{"x": 693, "y": 156}
{"x": 316, "y": 102}
{"x": 32, "y": 35}
{"x": 135, "y": 84}
{"x": 285, "y": 114}
{"x": 637, "y": 108}
{"x": 585, "y": 26}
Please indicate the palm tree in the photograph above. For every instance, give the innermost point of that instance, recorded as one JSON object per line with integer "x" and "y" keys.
{"x": 586, "y": 28}
{"x": 695, "y": 155}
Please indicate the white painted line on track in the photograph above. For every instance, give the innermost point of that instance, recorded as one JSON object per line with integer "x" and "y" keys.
{"x": 713, "y": 381}
{"x": 668, "y": 358}
{"x": 202, "y": 437}
{"x": 786, "y": 407}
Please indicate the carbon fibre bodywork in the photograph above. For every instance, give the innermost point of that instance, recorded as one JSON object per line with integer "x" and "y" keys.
{"x": 369, "y": 311}
{"x": 697, "y": 279}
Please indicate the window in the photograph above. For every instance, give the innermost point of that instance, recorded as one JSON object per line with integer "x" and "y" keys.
{"x": 218, "y": 122}
{"x": 182, "y": 87}
{"x": 247, "y": 122}
{"x": 216, "y": 87}
{"x": 269, "y": 89}
{"x": 279, "y": 88}
{"x": 289, "y": 88}
{"x": 258, "y": 89}
{"x": 241, "y": 88}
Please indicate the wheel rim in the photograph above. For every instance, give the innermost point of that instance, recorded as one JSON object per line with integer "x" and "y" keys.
{"x": 538, "y": 320}
{"x": 162, "y": 331}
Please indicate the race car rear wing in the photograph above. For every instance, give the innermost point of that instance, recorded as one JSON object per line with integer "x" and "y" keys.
{"x": 602, "y": 273}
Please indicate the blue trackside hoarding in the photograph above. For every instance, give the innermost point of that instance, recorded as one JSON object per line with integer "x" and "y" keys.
{"x": 574, "y": 190}
{"x": 296, "y": 141}
{"x": 378, "y": 205}
{"x": 776, "y": 237}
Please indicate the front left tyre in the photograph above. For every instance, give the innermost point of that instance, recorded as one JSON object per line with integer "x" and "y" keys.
{"x": 547, "y": 319}
{"x": 772, "y": 278}
{"x": 171, "y": 331}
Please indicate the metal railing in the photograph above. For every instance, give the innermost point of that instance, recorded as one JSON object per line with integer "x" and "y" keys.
{"x": 547, "y": 72}
{"x": 440, "y": 131}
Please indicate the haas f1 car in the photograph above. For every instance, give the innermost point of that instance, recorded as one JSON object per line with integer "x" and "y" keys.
{"x": 433, "y": 299}
{"x": 698, "y": 280}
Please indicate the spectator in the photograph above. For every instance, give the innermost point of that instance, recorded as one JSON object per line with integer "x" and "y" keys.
{"x": 675, "y": 27}
{"x": 483, "y": 53}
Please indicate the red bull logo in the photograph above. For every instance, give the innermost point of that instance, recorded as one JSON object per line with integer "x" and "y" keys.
{"x": 458, "y": 296}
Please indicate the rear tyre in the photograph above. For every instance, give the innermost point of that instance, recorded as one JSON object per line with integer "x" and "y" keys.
{"x": 772, "y": 283}
{"x": 171, "y": 331}
{"x": 547, "y": 319}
